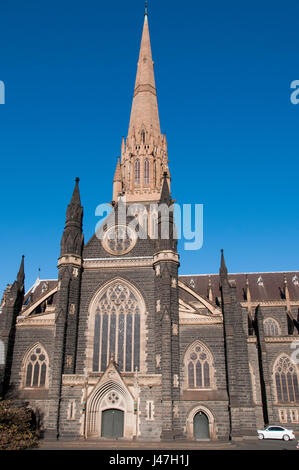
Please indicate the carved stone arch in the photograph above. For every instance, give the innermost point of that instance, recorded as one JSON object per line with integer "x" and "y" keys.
{"x": 285, "y": 379}
{"x": 100, "y": 319}
{"x": 199, "y": 364}
{"x": 190, "y": 421}
{"x": 110, "y": 393}
{"x": 35, "y": 367}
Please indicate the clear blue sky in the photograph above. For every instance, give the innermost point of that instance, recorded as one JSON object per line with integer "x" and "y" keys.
{"x": 223, "y": 74}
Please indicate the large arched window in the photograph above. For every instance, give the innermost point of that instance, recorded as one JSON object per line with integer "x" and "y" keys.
{"x": 286, "y": 380}
{"x": 271, "y": 327}
{"x": 137, "y": 171}
{"x": 146, "y": 171}
{"x": 116, "y": 325}
{"x": 36, "y": 365}
{"x": 199, "y": 367}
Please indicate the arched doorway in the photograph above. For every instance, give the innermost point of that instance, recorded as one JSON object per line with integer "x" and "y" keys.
{"x": 112, "y": 424}
{"x": 201, "y": 426}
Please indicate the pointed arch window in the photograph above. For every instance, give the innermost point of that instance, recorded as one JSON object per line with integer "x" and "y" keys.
{"x": 286, "y": 380}
{"x": 146, "y": 171}
{"x": 36, "y": 367}
{"x": 199, "y": 367}
{"x": 143, "y": 137}
{"x": 271, "y": 327}
{"x": 137, "y": 171}
{"x": 117, "y": 323}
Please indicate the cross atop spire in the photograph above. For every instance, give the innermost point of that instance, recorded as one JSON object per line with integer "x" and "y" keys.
{"x": 146, "y": 12}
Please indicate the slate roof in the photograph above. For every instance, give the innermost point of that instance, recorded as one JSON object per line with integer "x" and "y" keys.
{"x": 263, "y": 286}
{"x": 39, "y": 289}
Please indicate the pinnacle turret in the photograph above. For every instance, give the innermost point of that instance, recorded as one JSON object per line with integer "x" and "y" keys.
{"x": 223, "y": 268}
{"x": 72, "y": 238}
{"x": 165, "y": 193}
{"x": 21, "y": 274}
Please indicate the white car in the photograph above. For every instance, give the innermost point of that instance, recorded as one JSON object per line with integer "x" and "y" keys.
{"x": 276, "y": 432}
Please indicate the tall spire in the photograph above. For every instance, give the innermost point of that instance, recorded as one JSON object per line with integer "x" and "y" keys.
{"x": 144, "y": 156}
{"x": 144, "y": 111}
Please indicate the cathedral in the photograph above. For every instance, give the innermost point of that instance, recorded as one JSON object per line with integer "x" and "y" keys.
{"x": 120, "y": 346}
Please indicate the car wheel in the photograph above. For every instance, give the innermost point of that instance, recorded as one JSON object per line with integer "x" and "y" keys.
{"x": 261, "y": 436}
{"x": 286, "y": 437}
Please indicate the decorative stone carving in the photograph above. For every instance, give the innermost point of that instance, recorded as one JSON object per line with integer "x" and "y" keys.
{"x": 158, "y": 306}
{"x": 175, "y": 329}
{"x": 72, "y": 309}
{"x": 116, "y": 263}
{"x": 158, "y": 360}
{"x": 69, "y": 361}
{"x": 176, "y": 411}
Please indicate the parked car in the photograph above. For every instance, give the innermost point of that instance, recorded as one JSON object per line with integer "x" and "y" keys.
{"x": 276, "y": 432}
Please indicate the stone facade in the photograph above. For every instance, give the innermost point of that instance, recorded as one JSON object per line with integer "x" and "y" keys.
{"x": 121, "y": 346}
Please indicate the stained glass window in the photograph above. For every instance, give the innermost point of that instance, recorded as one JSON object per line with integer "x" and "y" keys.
{"x": 199, "y": 366}
{"x": 117, "y": 329}
{"x": 271, "y": 327}
{"x": 286, "y": 380}
{"x": 36, "y": 368}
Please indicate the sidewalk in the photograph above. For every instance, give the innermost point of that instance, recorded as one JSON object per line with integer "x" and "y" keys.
{"x": 133, "y": 445}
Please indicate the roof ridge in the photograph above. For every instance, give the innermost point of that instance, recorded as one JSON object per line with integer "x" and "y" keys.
{"x": 245, "y": 273}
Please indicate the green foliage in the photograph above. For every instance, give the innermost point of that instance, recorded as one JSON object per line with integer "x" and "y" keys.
{"x": 17, "y": 430}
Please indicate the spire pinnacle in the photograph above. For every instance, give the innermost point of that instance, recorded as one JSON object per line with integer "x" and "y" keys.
{"x": 144, "y": 154}
{"x": 165, "y": 193}
{"x": 223, "y": 268}
{"x": 144, "y": 112}
{"x": 72, "y": 237}
{"x": 117, "y": 174}
{"x": 21, "y": 273}
{"x": 76, "y": 194}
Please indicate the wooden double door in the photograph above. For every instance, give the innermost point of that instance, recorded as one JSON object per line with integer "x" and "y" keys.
{"x": 112, "y": 424}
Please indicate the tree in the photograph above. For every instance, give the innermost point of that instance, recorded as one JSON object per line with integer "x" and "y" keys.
{"x": 17, "y": 428}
